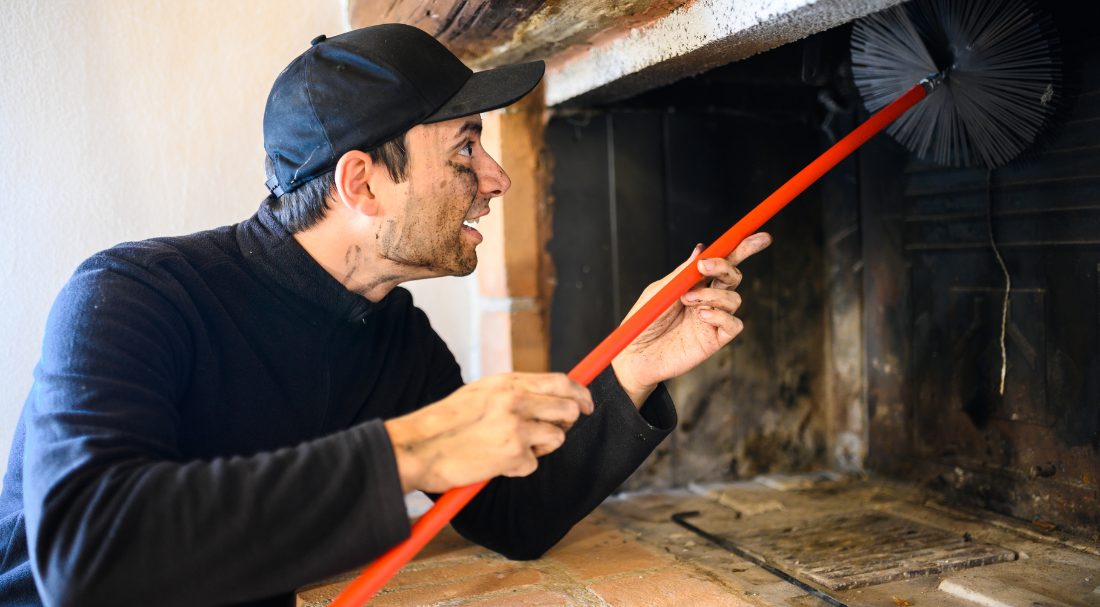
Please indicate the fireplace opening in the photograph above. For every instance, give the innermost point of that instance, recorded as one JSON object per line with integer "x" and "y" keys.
{"x": 872, "y": 324}
{"x": 872, "y": 340}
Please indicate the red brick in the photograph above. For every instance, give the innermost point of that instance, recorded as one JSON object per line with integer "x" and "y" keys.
{"x": 522, "y": 149}
{"x": 448, "y": 544}
{"x": 669, "y": 588}
{"x": 512, "y": 261}
{"x": 592, "y": 525}
{"x": 598, "y": 553}
{"x": 468, "y": 588}
{"x": 448, "y": 572}
{"x": 529, "y": 350}
{"x": 537, "y": 598}
{"x": 445, "y": 580}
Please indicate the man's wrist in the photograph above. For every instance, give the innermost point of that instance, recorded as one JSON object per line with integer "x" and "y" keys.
{"x": 409, "y": 466}
{"x": 637, "y": 392}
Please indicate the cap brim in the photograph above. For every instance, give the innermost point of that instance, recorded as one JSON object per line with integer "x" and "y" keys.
{"x": 490, "y": 89}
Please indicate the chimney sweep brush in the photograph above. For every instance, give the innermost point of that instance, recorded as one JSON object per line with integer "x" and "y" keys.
{"x": 988, "y": 69}
{"x": 1002, "y": 69}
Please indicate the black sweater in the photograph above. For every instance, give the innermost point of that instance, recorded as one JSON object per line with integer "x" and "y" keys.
{"x": 205, "y": 429}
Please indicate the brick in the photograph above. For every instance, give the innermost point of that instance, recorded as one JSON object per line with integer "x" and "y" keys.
{"x": 469, "y": 588}
{"x": 323, "y": 593}
{"x": 439, "y": 578}
{"x": 512, "y": 261}
{"x": 491, "y": 277}
{"x": 669, "y": 588}
{"x": 537, "y": 598}
{"x": 513, "y": 341}
{"x": 521, "y": 150}
{"x": 600, "y": 553}
{"x": 591, "y": 526}
{"x": 448, "y": 544}
{"x": 496, "y": 342}
{"x": 448, "y": 572}
{"x": 529, "y": 342}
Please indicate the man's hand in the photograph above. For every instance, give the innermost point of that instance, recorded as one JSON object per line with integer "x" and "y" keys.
{"x": 492, "y": 427}
{"x": 692, "y": 329}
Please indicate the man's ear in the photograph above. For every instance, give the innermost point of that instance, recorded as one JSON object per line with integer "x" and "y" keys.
{"x": 355, "y": 182}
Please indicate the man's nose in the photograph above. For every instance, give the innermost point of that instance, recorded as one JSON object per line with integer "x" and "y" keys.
{"x": 492, "y": 181}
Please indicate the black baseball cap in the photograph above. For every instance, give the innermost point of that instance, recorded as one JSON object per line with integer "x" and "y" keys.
{"x": 360, "y": 89}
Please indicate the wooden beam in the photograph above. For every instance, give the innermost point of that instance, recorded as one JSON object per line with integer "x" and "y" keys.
{"x": 470, "y": 28}
{"x": 485, "y": 33}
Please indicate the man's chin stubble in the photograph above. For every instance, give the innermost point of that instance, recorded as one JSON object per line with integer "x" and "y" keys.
{"x": 458, "y": 267}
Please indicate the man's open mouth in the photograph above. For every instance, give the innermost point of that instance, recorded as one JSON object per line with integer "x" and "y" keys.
{"x": 469, "y": 226}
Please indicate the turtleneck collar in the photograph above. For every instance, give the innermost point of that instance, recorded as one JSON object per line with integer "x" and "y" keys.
{"x": 280, "y": 261}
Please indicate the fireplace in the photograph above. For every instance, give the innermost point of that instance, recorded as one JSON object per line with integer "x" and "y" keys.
{"x": 853, "y": 445}
{"x": 872, "y": 345}
{"x": 873, "y": 323}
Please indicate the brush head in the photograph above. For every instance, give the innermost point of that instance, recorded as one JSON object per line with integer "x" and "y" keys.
{"x": 1000, "y": 59}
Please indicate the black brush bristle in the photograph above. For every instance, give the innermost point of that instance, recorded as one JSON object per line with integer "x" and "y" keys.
{"x": 1003, "y": 75}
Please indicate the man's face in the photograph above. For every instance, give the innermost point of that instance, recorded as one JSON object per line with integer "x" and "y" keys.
{"x": 450, "y": 181}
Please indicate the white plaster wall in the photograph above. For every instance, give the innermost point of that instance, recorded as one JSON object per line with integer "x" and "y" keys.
{"x": 452, "y": 306}
{"x": 123, "y": 119}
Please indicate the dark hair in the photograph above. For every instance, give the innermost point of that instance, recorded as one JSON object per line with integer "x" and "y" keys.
{"x": 302, "y": 208}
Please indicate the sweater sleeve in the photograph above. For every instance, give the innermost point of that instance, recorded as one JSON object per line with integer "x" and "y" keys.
{"x": 115, "y": 514}
{"x": 522, "y": 518}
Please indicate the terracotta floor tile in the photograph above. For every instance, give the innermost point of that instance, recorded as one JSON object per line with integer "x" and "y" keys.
{"x": 670, "y": 588}
{"x": 449, "y": 544}
{"x": 445, "y": 573}
{"x": 605, "y": 553}
{"x": 469, "y": 588}
{"x": 538, "y": 598}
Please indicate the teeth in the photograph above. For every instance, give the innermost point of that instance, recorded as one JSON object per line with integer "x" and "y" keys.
{"x": 470, "y": 223}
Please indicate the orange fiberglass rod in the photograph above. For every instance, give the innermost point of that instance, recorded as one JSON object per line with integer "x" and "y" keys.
{"x": 374, "y": 577}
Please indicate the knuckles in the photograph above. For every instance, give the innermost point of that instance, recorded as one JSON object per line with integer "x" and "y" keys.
{"x": 517, "y": 450}
{"x": 573, "y": 413}
{"x": 563, "y": 384}
{"x": 559, "y": 438}
{"x": 506, "y": 398}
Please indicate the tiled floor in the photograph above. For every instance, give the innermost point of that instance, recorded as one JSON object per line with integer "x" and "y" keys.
{"x": 630, "y": 554}
{"x": 596, "y": 565}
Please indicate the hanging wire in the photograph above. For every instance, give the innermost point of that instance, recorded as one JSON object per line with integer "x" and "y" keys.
{"x": 1004, "y": 270}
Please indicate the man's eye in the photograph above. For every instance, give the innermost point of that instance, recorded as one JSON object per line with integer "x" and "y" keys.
{"x": 468, "y": 149}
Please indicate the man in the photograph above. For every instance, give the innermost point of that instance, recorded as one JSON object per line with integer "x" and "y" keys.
{"x": 222, "y": 417}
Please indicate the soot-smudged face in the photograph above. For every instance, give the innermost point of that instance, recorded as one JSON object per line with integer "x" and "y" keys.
{"x": 450, "y": 181}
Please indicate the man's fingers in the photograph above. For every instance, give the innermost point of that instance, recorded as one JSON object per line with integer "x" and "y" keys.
{"x": 749, "y": 247}
{"x": 543, "y": 438}
{"x": 694, "y": 255}
{"x": 721, "y": 299}
{"x": 723, "y": 274}
{"x": 656, "y": 286}
{"x": 553, "y": 410}
{"x": 728, "y": 326}
{"x": 526, "y": 465}
{"x": 554, "y": 385}
{"x": 723, "y": 270}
